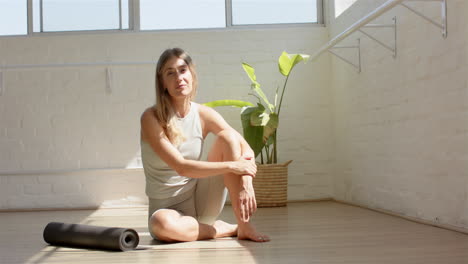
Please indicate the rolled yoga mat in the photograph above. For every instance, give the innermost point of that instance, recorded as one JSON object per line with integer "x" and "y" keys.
{"x": 91, "y": 237}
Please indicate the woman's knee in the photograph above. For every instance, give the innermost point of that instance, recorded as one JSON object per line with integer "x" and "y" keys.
{"x": 228, "y": 143}
{"x": 162, "y": 224}
{"x": 228, "y": 136}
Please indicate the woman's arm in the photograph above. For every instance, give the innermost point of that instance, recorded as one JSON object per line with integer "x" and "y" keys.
{"x": 213, "y": 122}
{"x": 153, "y": 134}
{"x": 244, "y": 194}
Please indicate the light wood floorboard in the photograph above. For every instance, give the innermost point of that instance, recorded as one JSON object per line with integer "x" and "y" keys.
{"x": 313, "y": 232}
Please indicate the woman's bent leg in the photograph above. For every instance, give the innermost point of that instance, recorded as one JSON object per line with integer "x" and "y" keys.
{"x": 227, "y": 147}
{"x": 210, "y": 197}
{"x": 175, "y": 219}
{"x": 171, "y": 226}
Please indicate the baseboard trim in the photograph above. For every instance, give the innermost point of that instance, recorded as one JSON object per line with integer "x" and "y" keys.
{"x": 28, "y": 210}
{"x": 58, "y": 209}
{"x": 311, "y": 200}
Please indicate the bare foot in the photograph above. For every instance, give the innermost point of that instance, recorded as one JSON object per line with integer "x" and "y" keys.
{"x": 224, "y": 229}
{"x": 247, "y": 231}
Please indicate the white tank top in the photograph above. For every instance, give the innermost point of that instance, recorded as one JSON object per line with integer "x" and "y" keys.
{"x": 161, "y": 180}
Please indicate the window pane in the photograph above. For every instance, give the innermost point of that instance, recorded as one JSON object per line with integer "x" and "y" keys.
{"x": 13, "y": 17}
{"x": 70, "y": 15}
{"x": 163, "y": 14}
{"x": 125, "y": 10}
{"x": 246, "y": 12}
{"x": 36, "y": 15}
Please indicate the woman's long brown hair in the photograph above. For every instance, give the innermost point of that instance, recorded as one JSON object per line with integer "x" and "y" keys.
{"x": 163, "y": 109}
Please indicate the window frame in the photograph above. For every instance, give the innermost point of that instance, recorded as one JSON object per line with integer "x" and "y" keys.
{"x": 320, "y": 21}
{"x": 134, "y": 22}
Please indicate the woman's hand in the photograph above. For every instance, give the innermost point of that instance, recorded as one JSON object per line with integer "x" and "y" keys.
{"x": 247, "y": 202}
{"x": 244, "y": 166}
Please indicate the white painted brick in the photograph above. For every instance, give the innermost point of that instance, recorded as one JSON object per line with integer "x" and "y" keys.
{"x": 92, "y": 161}
{"x": 19, "y": 134}
{"x": 42, "y": 201}
{"x": 64, "y": 81}
{"x": 29, "y": 83}
{"x": 60, "y": 51}
{"x": 79, "y": 112}
{"x": 41, "y": 146}
{"x": 37, "y": 189}
{"x": 9, "y": 165}
{"x": 66, "y": 142}
{"x": 9, "y": 121}
{"x": 38, "y": 164}
{"x": 64, "y": 163}
{"x": 32, "y": 123}
{"x": 11, "y": 189}
{"x": 21, "y": 179}
{"x": 448, "y": 61}
{"x": 92, "y": 80}
{"x": 66, "y": 188}
{"x": 11, "y": 145}
{"x": 21, "y": 202}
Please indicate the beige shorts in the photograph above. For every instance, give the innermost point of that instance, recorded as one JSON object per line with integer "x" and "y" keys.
{"x": 204, "y": 202}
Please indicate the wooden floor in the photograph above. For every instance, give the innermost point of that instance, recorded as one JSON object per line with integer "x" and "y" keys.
{"x": 315, "y": 232}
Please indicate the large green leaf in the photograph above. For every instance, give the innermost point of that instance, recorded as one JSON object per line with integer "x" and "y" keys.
{"x": 234, "y": 103}
{"x": 270, "y": 140}
{"x": 252, "y": 134}
{"x": 255, "y": 85}
{"x": 286, "y": 62}
{"x": 262, "y": 95}
{"x": 250, "y": 72}
{"x": 259, "y": 117}
{"x": 270, "y": 126}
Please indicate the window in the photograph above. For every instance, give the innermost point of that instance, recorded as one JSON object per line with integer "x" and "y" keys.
{"x": 73, "y": 15}
{"x": 23, "y": 17}
{"x": 245, "y": 12}
{"x": 13, "y": 17}
{"x": 182, "y": 14}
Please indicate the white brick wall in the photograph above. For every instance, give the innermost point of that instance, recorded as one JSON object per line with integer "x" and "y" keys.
{"x": 73, "y": 189}
{"x": 401, "y": 126}
{"x": 63, "y": 119}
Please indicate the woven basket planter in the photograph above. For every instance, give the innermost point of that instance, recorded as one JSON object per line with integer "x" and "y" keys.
{"x": 271, "y": 185}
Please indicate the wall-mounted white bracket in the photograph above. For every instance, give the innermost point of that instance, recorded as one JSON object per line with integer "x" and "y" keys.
{"x": 357, "y": 48}
{"x": 389, "y": 4}
{"x": 443, "y": 7}
{"x": 109, "y": 82}
{"x": 1, "y": 83}
{"x": 392, "y": 26}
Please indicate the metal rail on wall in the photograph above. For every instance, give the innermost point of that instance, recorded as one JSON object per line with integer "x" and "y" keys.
{"x": 363, "y": 23}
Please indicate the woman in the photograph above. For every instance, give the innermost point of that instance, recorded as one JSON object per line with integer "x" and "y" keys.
{"x": 186, "y": 195}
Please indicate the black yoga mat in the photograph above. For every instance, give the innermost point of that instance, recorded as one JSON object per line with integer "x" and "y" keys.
{"x": 91, "y": 237}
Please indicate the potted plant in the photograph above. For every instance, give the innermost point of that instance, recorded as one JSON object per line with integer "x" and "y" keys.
{"x": 260, "y": 125}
